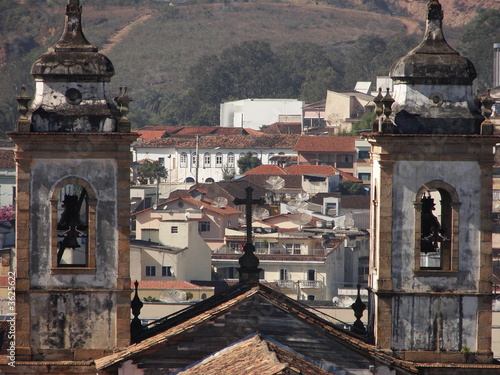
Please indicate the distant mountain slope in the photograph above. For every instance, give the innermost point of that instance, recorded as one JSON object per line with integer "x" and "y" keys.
{"x": 155, "y": 44}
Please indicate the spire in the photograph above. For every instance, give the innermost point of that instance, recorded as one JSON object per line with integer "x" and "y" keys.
{"x": 73, "y": 38}
{"x": 434, "y": 41}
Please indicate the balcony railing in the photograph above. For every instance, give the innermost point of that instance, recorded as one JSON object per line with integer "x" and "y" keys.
{"x": 286, "y": 284}
{"x": 310, "y": 284}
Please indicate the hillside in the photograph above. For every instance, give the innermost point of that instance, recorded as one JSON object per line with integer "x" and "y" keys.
{"x": 154, "y": 45}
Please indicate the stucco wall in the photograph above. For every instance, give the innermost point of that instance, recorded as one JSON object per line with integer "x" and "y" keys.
{"x": 98, "y": 173}
{"x": 409, "y": 176}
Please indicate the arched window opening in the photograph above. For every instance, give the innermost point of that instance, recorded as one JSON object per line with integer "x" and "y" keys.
{"x": 437, "y": 227}
{"x": 218, "y": 160}
{"x": 230, "y": 159}
{"x": 206, "y": 160}
{"x": 72, "y": 227}
{"x": 183, "y": 160}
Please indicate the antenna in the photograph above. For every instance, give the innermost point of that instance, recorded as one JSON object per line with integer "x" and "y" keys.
{"x": 219, "y": 202}
{"x": 302, "y": 196}
{"x": 274, "y": 183}
{"x": 296, "y": 207}
{"x": 261, "y": 213}
{"x": 300, "y": 219}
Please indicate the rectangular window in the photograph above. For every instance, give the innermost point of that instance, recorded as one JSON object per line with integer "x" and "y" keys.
{"x": 363, "y": 155}
{"x": 150, "y": 271}
{"x": 364, "y": 176}
{"x": 204, "y": 226}
{"x": 161, "y": 160}
{"x": 166, "y": 271}
{"x": 174, "y": 230}
{"x": 292, "y": 248}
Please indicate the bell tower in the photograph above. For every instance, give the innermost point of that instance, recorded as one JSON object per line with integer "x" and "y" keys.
{"x": 73, "y": 159}
{"x": 432, "y": 155}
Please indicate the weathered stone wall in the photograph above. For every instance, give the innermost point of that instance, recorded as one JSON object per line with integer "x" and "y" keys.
{"x": 101, "y": 175}
{"x": 409, "y": 177}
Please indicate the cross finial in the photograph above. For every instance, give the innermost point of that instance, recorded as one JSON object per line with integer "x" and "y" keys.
{"x": 249, "y": 263}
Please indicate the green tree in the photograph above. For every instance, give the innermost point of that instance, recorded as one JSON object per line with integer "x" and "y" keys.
{"x": 152, "y": 170}
{"x": 228, "y": 173}
{"x": 248, "y": 162}
{"x": 477, "y": 44}
{"x": 352, "y": 188}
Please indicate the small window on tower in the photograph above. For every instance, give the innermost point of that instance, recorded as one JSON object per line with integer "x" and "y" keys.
{"x": 437, "y": 224}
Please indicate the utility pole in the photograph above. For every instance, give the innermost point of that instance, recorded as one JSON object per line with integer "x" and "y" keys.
{"x": 197, "y": 158}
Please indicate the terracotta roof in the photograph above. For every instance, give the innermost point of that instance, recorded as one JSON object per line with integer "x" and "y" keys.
{"x": 4, "y": 281}
{"x": 7, "y": 159}
{"x": 254, "y": 355}
{"x": 148, "y": 135}
{"x": 325, "y": 338}
{"x": 348, "y": 202}
{"x": 195, "y": 202}
{"x": 311, "y": 143}
{"x": 165, "y": 284}
{"x": 325, "y": 170}
{"x": 284, "y": 128}
{"x": 228, "y": 141}
{"x": 292, "y": 182}
{"x": 266, "y": 169}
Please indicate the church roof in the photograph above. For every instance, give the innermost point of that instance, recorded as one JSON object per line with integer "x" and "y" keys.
{"x": 206, "y": 328}
{"x": 258, "y": 355}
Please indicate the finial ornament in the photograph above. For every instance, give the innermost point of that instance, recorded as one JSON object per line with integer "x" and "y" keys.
{"x": 23, "y": 123}
{"x": 387, "y": 124}
{"x": 136, "y": 325}
{"x": 487, "y": 104}
{"x": 73, "y": 36}
{"x": 434, "y": 10}
{"x": 123, "y": 100}
{"x": 378, "y": 110}
{"x": 358, "y": 307}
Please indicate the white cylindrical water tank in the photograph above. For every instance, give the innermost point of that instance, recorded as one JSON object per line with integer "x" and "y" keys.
{"x": 496, "y": 64}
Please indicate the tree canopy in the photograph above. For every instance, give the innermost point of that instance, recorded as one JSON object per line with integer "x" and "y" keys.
{"x": 152, "y": 170}
{"x": 248, "y": 162}
{"x": 477, "y": 44}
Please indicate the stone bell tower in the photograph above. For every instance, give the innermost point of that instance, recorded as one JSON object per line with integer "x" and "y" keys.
{"x": 73, "y": 159}
{"x": 432, "y": 154}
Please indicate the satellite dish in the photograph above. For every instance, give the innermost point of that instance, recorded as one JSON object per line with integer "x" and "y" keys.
{"x": 172, "y": 295}
{"x": 274, "y": 183}
{"x": 155, "y": 206}
{"x": 349, "y": 221}
{"x": 219, "y": 202}
{"x": 302, "y": 196}
{"x": 296, "y": 207}
{"x": 300, "y": 219}
{"x": 260, "y": 213}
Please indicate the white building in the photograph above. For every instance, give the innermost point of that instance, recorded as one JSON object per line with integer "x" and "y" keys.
{"x": 217, "y": 153}
{"x": 7, "y": 177}
{"x": 254, "y": 113}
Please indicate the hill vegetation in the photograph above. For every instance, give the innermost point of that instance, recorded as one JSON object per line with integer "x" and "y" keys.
{"x": 172, "y": 57}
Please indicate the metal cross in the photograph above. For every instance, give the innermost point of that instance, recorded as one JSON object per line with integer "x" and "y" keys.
{"x": 248, "y": 202}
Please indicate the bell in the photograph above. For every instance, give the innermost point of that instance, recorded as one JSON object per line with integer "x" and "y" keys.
{"x": 69, "y": 242}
